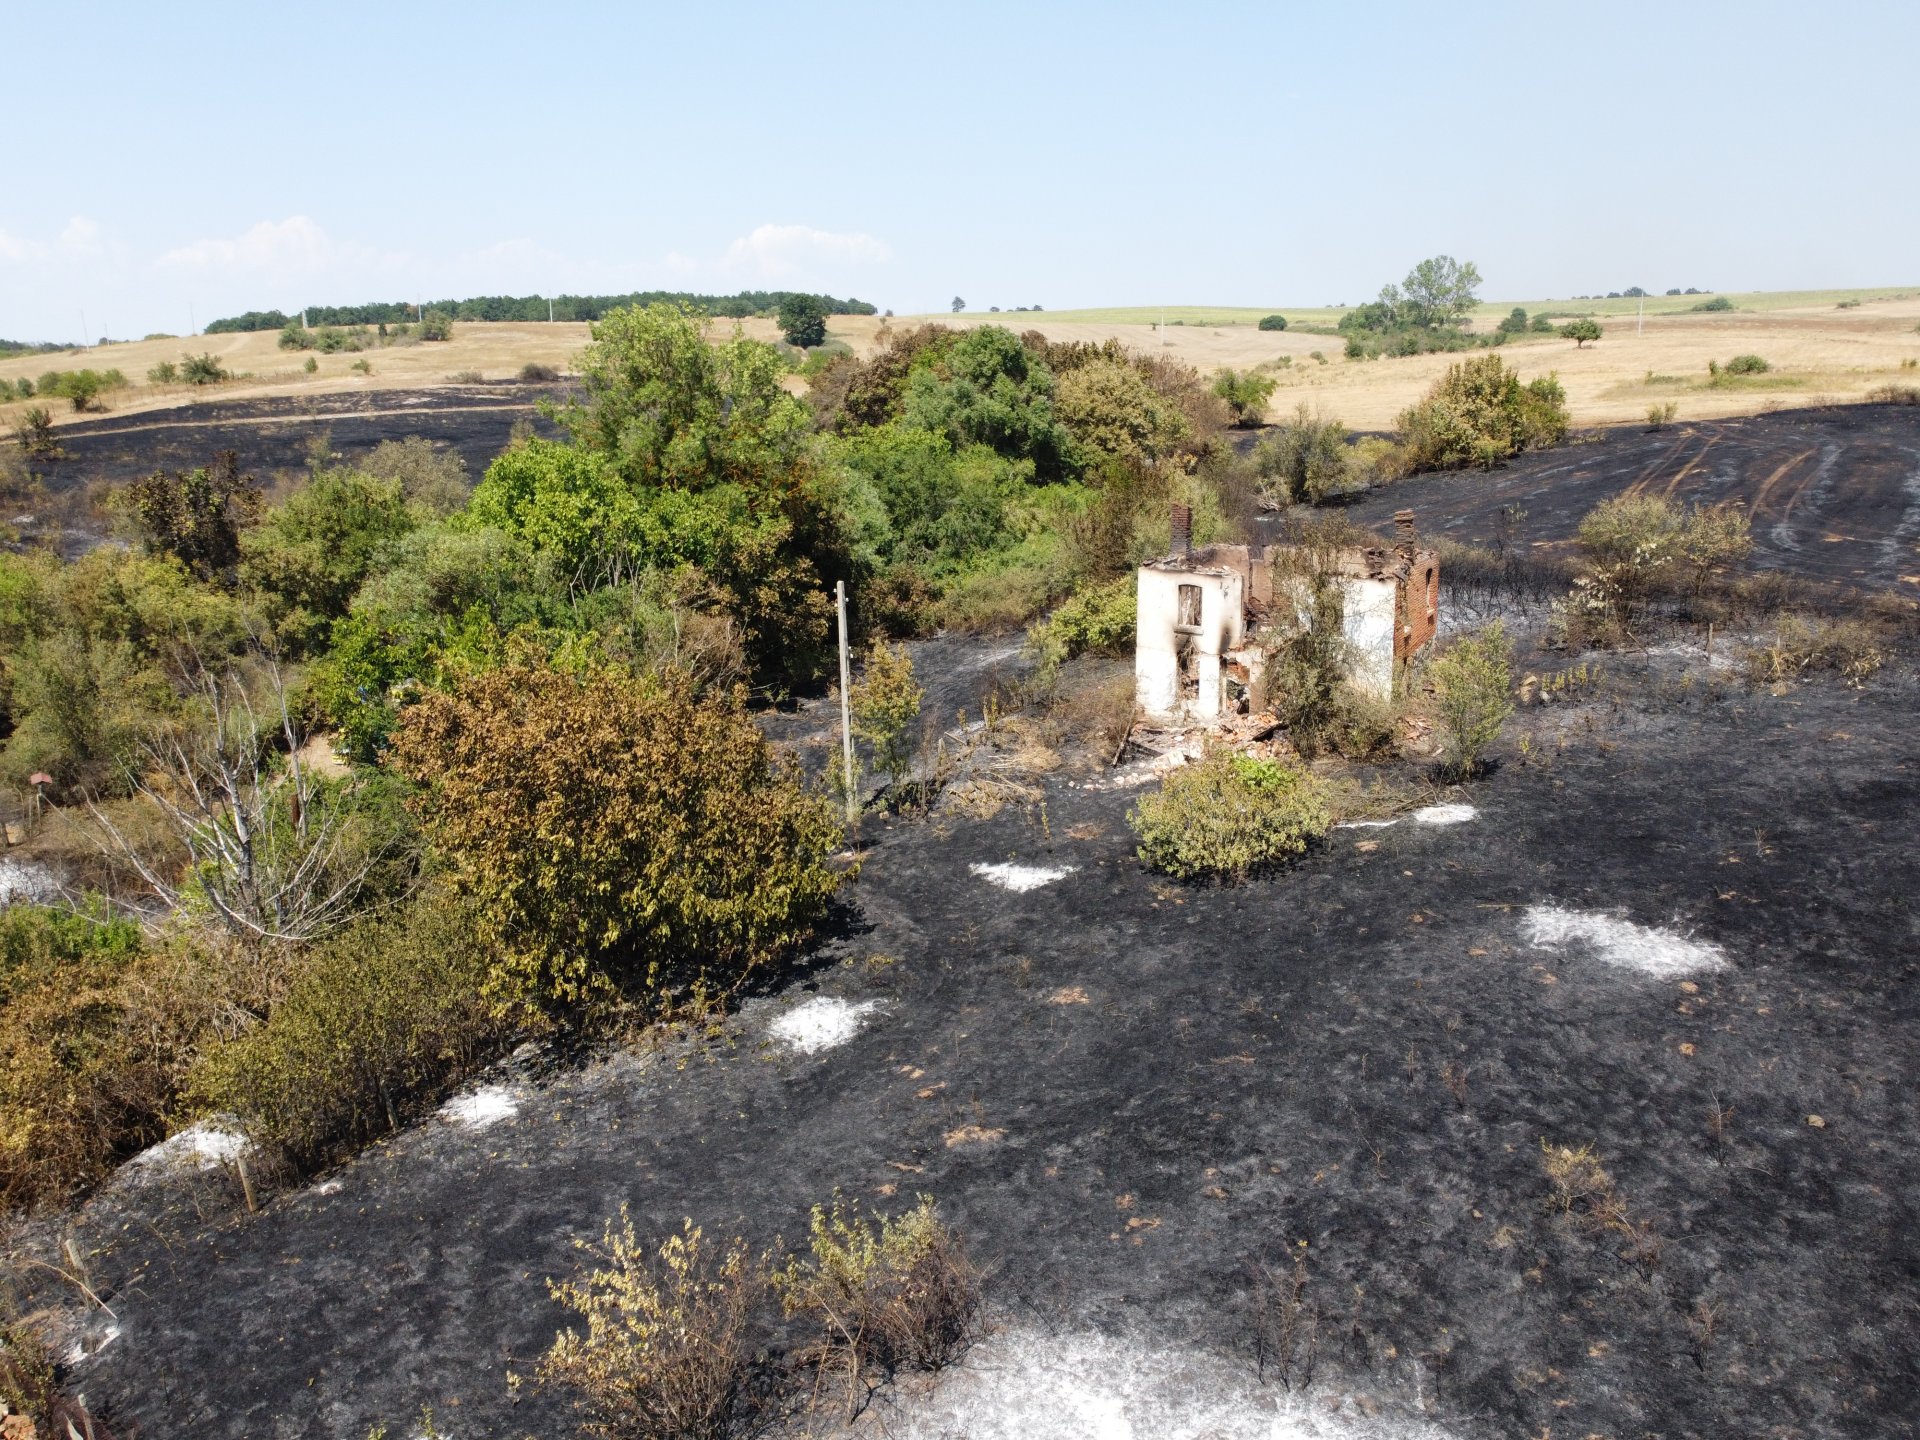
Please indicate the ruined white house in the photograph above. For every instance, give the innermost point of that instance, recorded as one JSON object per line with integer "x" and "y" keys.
{"x": 1200, "y": 655}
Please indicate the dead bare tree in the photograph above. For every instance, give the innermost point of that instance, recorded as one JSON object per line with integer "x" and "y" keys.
{"x": 274, "y": 851}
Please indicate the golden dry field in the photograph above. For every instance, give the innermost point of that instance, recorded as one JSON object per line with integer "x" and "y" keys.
{"x": 1820, "y": 353}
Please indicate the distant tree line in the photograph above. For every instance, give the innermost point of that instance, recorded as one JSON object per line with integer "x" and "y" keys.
{"x": 26, "y": 347}
{"x": 535, "y": 307}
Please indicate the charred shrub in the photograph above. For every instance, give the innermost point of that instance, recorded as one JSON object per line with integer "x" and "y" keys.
{"x": 1286, "y": 1322}
{"x": 887, "y": 1294}
{"x": 36, "y": 436}
{"x": 1228, "y": 816}
{"x": 666, "y": 1349}
{"x": 534, "y": 373}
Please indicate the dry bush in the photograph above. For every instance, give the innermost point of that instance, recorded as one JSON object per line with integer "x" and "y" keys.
{"x": 666, "y": 1353}
{"x": 1471, "y": 695}
{"x": 1286, "y": 1323}
{"x": 1100, "y": 713}
{"x": 1894, "y": 395}
{"x": 896, "y": 1293}
{"x": 1581, "y": 1189}
{"x": 1850, "y": 648}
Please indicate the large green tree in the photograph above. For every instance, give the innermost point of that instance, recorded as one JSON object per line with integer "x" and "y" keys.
{"x": 1440, "y": 291}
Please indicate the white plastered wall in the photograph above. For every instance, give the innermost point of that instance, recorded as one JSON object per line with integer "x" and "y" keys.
{"x": 1370, "y": 613}
{"x": 1159, "y": 638}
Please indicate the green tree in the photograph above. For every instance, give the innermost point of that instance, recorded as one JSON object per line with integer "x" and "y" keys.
{"x": 436, "y": 325}
{"x": 1472, "y": 695}
{"x": 1115, "y": 414}
{"x": 1273, "y": 322}
{"x": 1306, "y": 460}
{"x": 803, "y": 320}
{"x": 616, "y": 833}
{"x": 1580, "y": 331}
{"x": 1479, "y": 413}
{"x": 986, "y": 388}
{"x": 958, "y": 304}
{"x": 1440, "y": 291}
{"x": 670, "y": 410}
{"x": 203, "y": 369}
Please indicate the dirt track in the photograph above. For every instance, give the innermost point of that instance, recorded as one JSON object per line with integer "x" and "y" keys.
{"x": 1834, "y": 494}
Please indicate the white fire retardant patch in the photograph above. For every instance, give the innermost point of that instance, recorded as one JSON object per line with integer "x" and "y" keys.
{"x": 1020, "y": 878}
{"x": 1026, "y": 1385}
{"x": 822, "y": 1023}
{"x": 478, "y": 1109}
{"x": 1660, "y": 953}
{"x": 25, "y": 883}
{"x": 201, "y": 1147}
{"x": 1444, "y": 814}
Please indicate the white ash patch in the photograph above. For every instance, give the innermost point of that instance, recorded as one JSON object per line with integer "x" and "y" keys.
{"x": 1024, "y": 1384}
{"x": 204, "y": 1146}
{"x": 481, "y": 1108}
{"x": 1364, "y": 824}
{"x": 90, "y": 1341}
{"x": 1129, "y": 776}
{"x": 327, "y": 1187}
{"x": 1444, "y": 814}
{"x": 1020, "y": 878}
{"x": 1622, "y": 943}
{"x": 822, "y": 1023}
{"x": 22, "y": 882}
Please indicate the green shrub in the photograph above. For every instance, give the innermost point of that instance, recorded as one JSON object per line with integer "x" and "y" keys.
{"x": 311, "y": 366}
{"x": 1246, "y": 394}
{"x": 436, "y": 325}
{"x": 1228, "y": 816}
{"x": 616, "y": 833}
{"x": 1273, "y": 322}
{"x": 164, "y": 373}
{"x": 1306, "y": 460}
{"x": 1541, "y": 325}
{"x": 1098, "y": 620}
{"x": 1746, "y": 365}
{"x": 1719, "y": 302}
{"x": 1472, "y": 695}
{"x": 362, "y": 366}
{"x": 202, "y": 369}
{"x": 296, "y": 336}
{"x": 1479, "y": 413}
{"x": 1580, "y": 331}
{"x": 379, "y": 1021}
{"x": 885, "y": 706}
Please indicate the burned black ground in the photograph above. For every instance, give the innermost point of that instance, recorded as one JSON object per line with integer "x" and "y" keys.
{"x": 1833, "y": 493}
{"x": 1124, "y": 1092}
{"x": 1250, "y": 1068}
{"x": 274, "y": 435}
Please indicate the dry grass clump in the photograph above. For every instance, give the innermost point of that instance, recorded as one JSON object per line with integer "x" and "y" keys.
{"x": 1850, "y": 648}
{"x": 1286, "y": 1323}
{"x": 1894, "y": 395}
{"x": 666, "y": 1353}
{"x": 1581, "y": 1189}
{"x": 885, "y": 1295}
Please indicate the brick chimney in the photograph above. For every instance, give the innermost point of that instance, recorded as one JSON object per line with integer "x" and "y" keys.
{"x": 1403, "y": 537}
{"x": 1182, "y": 531}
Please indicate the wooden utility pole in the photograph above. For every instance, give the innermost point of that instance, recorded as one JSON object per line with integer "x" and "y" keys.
{"x": 846, "y": 706}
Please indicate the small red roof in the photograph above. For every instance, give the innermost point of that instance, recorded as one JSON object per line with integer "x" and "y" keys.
{"x": 40, "y": 777}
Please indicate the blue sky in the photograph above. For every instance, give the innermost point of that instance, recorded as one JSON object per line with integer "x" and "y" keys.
{"x": 168, "y": 164}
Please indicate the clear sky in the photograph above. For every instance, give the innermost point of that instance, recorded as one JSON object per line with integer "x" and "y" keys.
{"x": 167, "y": 164}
